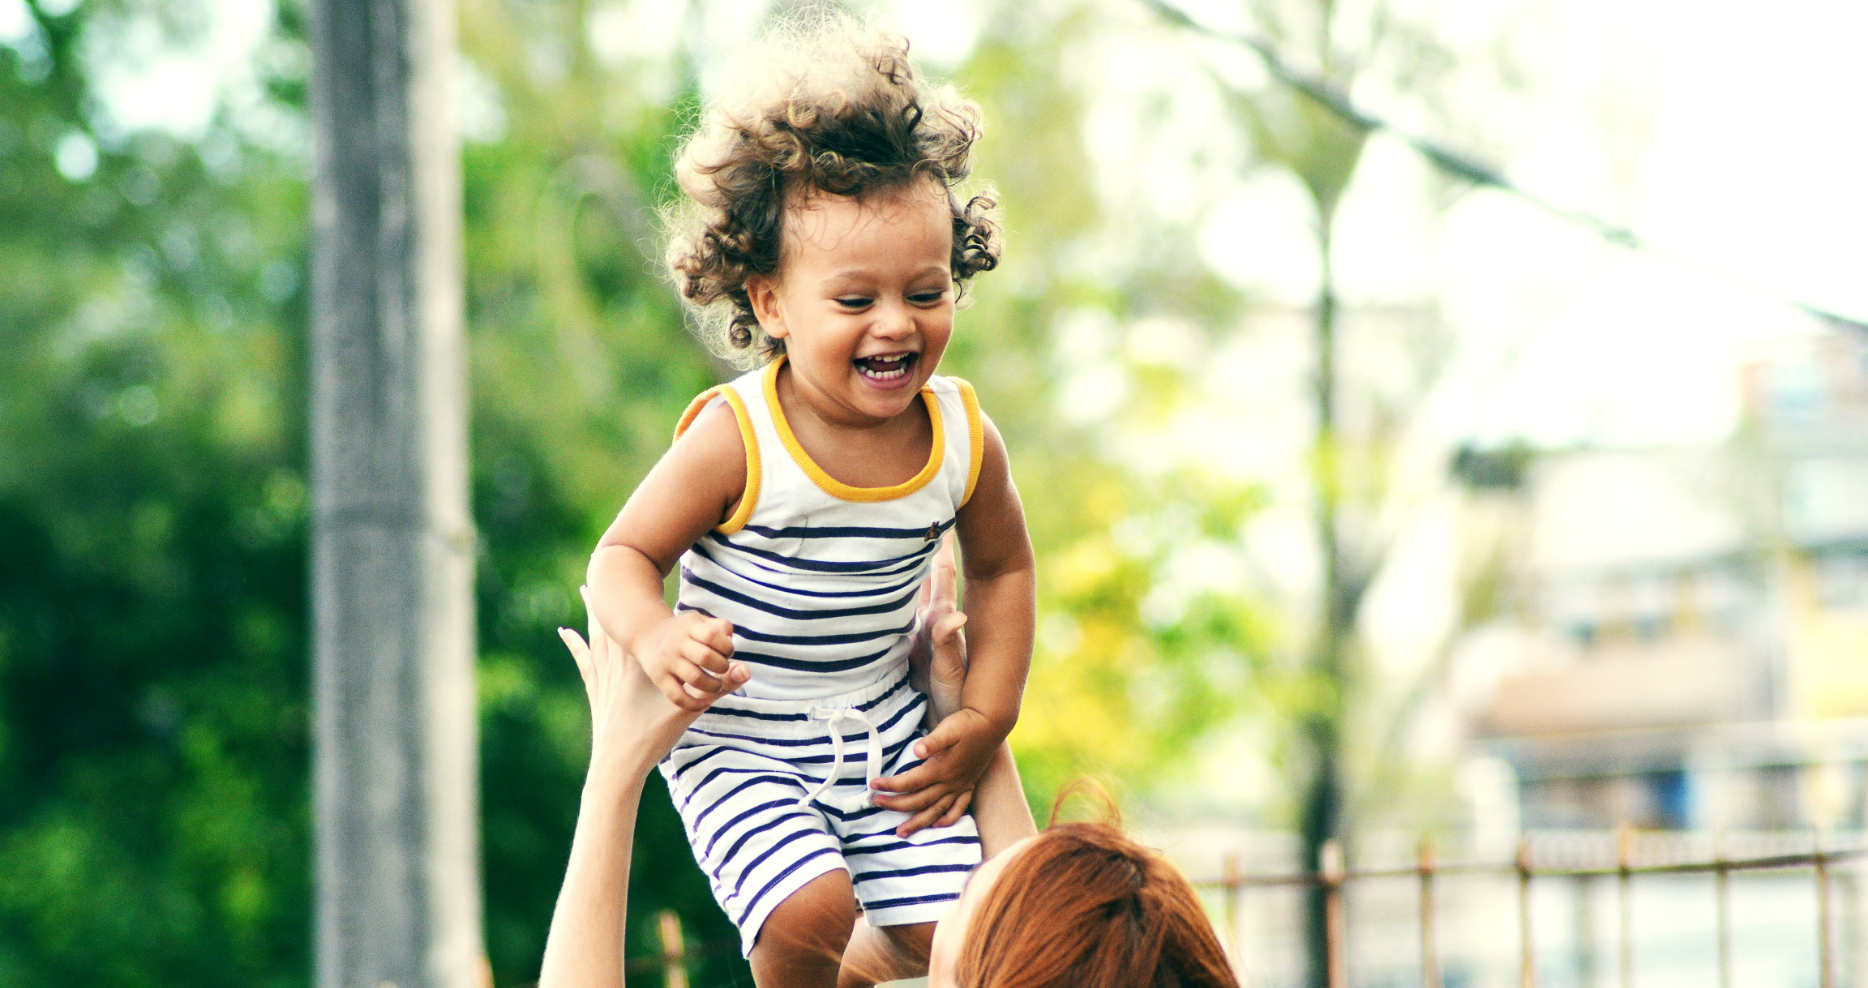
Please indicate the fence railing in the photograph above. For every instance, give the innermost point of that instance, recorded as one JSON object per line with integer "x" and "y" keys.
{"x": 1334, "y": 878}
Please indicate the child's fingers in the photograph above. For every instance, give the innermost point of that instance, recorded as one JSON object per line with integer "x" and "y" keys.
{"x": 715, "y": 633}
{"x": 677, "y": 693}
{"x": 926, "y": 817}
{"x": 945, "y": 735}
{"x": 919, "y": 777}
{"x": 693, "y": 675}
{"x": 958, "y": 810}
{"x": 912, "y": 802}
{"x": 704, "y": 656}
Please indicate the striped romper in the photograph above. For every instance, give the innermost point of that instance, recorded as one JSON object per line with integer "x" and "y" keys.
{"x": 820, "y": 581}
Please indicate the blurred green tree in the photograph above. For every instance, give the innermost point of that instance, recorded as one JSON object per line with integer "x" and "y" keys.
{"x": 152, "y": 719}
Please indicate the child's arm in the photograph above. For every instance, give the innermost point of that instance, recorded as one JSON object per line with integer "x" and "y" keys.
{"x": 695, "y": 486}
{"x": 1001, "y": 605}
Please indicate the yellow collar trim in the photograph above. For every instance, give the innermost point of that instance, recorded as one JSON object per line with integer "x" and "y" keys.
{"x": 837, "y": 488}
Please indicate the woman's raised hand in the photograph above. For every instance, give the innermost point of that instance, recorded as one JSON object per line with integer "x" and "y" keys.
{"x": 937, "y": 660}
{"x": 630, "y": 718}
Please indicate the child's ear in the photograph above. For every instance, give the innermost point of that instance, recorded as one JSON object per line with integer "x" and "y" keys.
{"x": 762, "y": 292}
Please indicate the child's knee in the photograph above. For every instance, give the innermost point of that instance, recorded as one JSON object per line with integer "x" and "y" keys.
{"x": 812, "y": 924}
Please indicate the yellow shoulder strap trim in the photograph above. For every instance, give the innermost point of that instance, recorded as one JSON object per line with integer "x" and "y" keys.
{"x": 750, "y": 498}
{"x": 976, "y": 436}
{"x": 837, "y": 488}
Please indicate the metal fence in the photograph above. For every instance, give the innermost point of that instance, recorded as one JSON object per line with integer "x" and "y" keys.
{"x": 1575, "y": 858}
{"x": 1534, "y": 864}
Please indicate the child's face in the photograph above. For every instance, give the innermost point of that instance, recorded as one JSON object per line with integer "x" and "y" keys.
{"x": 863, "y": 299}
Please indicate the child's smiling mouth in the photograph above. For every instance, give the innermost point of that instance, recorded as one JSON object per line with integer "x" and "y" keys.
{"x": 886, "y": 370}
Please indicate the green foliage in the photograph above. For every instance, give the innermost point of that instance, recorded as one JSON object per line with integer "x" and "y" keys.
{"x": 153, "y": 815}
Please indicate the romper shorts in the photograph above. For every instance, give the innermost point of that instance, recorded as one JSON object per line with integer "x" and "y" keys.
{"x": 748, "y": 780}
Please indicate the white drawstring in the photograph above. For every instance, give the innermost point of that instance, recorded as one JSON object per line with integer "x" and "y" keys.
{"x": 871, "y": 772}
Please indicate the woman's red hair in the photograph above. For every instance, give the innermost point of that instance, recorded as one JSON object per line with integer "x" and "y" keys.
{"x": 1084, "y": 906}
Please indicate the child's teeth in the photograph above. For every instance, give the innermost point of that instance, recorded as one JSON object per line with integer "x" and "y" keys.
{"x": 883, "y": 367}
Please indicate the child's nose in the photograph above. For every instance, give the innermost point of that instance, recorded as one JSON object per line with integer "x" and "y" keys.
{"x": 893, "y": 321}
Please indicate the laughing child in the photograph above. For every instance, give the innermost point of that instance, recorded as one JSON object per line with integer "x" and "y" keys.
{"x": 803, "y": 503}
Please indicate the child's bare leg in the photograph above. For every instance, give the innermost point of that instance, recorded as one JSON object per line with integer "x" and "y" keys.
{"x": 884, "y": 953}
{"x": 802, "y": 941}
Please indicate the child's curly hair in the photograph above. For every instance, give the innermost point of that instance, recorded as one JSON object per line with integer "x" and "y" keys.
{"x": 829, "y": 108}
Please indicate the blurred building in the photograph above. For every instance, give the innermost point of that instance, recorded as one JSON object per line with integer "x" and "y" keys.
{"x": 1688, "y": 642}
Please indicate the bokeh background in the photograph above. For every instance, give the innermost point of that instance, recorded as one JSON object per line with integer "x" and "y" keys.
{"x": 1564, "y": 534}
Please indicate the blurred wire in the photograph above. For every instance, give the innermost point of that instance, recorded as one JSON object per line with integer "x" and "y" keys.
{"x": 1462, "y": 166}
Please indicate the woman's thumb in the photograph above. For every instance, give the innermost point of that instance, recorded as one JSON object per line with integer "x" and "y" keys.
{"x": 948, "y": 626}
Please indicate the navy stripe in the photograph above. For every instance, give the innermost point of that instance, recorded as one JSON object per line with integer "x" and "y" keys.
{"x": 889, "y": 751}
{"x": 796, "y": 811}
{"x": 910, "y": 872}
{"x": 788, "y": 573}
{"x": 783, "y": 842}
{"x": 753, "y": 903}
{"x": 728, "y": 770}
{"x": 700, "y": 550}
{"x": 812, "y": 665}
{"x": 740, "y": 631}
{"x": 913, "y": 900}
{"x": 826, "y": 565}
{"x": 850, "y": 852}
{"x": 753, "y": 714}
{"x": 717, "y": 749}
{"x": 770, "y": 804}
{"x": 742, "y": 787}
{"x": 792, "y": 612}
{"x": 863, "y": 736}
{"x": 829, "y": 532}
{"x": 857, "y": 815}
{"x": 757, "y": 715}
{"x": 860, "y": 757}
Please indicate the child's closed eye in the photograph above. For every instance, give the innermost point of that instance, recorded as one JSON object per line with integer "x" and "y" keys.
{"x": 853, "y": 302}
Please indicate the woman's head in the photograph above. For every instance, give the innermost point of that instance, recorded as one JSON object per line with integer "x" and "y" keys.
{"x": 1080, "y": 904}
{"x": 823, "y": 109}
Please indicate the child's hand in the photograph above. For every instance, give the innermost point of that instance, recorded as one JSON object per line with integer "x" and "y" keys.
{"x": 687, "y": 656}
{"x": 938, "y": 790}
{"x": 628, "y": 717}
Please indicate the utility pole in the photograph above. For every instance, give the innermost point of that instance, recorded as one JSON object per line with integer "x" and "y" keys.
{"x": 395, "y": 764}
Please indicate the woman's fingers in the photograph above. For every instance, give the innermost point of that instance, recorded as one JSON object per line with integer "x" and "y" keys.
{"x": 580, "y": 653}
{"x": 945, "y": 592}
{"x": 948, "y": 626}
{"x": 599, "y": 640}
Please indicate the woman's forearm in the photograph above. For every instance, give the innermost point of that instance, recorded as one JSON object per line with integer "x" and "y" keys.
{"x": 584, "y": 948}
{"x": 999, "y": 805}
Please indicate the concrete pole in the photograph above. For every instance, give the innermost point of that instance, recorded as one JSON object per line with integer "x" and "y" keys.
{"x": 395, "y": 763}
